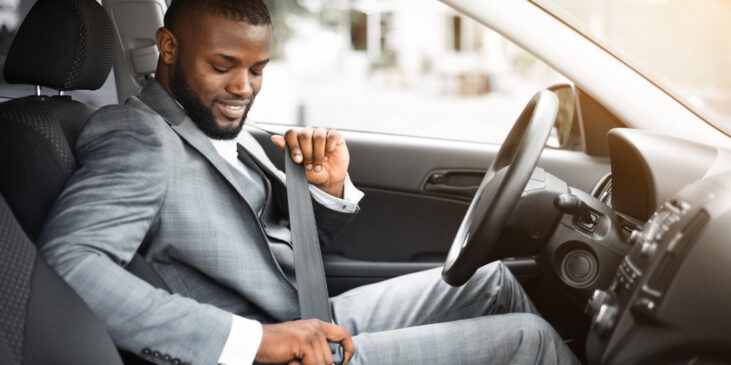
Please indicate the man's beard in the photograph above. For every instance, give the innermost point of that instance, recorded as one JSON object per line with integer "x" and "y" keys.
{"x": 198, "y": 112}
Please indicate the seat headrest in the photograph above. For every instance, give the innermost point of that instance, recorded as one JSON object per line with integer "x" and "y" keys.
{"x": 62, "y": 44}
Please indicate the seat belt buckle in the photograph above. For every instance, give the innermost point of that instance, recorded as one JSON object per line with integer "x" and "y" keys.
{"x": 337, "y": 351}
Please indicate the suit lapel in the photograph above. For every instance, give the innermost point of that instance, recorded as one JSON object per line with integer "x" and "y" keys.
{"x": 256, "y": 152}
{"x": 159, "y": 100}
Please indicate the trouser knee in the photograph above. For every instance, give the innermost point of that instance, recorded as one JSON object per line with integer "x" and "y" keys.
{"x": 540, "y": 341}
{"x": 500, "y": 285}
{"x": 535, "y": 329}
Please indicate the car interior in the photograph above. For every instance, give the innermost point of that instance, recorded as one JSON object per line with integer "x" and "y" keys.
{"x": 618, "y": 235}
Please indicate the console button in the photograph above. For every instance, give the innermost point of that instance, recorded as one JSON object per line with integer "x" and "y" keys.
{"x": 599, "y": 298}
{"x": 648, "y": 249}
{"x": 605, "y": 319}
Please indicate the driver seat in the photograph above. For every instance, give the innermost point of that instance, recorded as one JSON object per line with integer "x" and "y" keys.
{"x": 63, "y": 45}
{"x": 42, "y": 319}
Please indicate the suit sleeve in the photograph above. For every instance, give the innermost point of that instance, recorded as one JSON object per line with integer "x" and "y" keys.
{"x": 330, "y": 222}
{"x": 98, "y": 223}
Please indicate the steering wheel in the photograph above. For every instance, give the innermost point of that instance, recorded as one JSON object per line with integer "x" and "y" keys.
{"x": 500, "y": 189}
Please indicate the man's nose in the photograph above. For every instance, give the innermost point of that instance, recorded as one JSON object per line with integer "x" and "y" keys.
{"x": 240, "y": 84}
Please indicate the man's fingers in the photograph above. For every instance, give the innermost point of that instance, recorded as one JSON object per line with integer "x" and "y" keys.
{"x": 294, "y": 147}
{"x": 339, "y": 334}
{"x": 279, "y": 141}
{"x": 333, "y": 139}
{"x": 348, "y": 349}
{"x": 326, "y": 352}
{"x": 304, "y": 138}
{"x": 317, "y": 356}
{"x": 319, "y": 139}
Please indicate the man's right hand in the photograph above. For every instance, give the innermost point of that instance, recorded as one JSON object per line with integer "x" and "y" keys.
{"x": 302, "y": 342}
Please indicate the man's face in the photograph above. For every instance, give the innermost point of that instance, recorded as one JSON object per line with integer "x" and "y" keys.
{"x": 218, "y": 71}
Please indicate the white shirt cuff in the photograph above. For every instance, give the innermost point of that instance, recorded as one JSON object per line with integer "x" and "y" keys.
{"x": 242, "y": 343}
{"x": 349, "y": 202}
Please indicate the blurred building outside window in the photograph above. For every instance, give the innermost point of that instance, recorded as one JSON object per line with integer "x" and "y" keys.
{"x": 405, "y": 67}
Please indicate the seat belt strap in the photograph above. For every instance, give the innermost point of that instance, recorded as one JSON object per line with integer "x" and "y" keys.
{"x": 308, "y": 268}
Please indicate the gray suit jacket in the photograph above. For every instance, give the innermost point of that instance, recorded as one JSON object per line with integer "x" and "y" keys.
{"x": 146, "y": 173}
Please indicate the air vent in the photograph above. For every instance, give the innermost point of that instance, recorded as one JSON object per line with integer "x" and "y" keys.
{"x": 603, "y": 189}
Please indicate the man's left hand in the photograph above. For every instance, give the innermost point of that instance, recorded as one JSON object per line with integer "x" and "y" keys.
{"x": 324, "y": 154}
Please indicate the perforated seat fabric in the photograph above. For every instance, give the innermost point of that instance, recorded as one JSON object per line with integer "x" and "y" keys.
{"x": 16, "y": 268}
{"x": 62, "y": 44}
{"x": 42, "y": 320}
{"x": 67, "y": 45}
{"x": 36, "y": 139}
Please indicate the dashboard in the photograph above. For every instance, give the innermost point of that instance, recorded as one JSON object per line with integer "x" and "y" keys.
{"x": 669, "y": 298}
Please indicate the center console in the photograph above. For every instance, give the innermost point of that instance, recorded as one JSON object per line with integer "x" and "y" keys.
{"x": 669, "y": 298}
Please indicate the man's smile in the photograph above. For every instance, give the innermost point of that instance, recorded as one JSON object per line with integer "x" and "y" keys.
{"x": 233, "y": 109}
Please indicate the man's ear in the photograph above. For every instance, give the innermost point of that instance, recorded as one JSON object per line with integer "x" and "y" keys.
{"x": 167, "y": 44}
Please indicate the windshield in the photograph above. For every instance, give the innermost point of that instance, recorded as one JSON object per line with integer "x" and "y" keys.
{"x": 682, "y": 46}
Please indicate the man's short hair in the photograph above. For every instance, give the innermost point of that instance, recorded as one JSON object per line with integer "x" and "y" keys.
{"x": 254, "y": 12}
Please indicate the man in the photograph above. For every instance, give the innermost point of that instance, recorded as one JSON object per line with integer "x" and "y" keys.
{"x": 165, "y": 169}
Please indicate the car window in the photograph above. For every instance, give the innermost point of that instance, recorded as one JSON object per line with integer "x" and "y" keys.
{"x": 407, "y": 68}
{"x": 12, "y": 13}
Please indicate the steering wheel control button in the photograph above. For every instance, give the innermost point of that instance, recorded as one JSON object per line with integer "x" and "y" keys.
{"x": 578, "y": 268}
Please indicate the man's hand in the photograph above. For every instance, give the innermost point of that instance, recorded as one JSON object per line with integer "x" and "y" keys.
{"x": 324, "y": 153}
{"x": 302, "y": 342}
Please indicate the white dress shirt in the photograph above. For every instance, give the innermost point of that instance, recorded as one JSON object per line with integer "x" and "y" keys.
{"x": 245, "y": 334}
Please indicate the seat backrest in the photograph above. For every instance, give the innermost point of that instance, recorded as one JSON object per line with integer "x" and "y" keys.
{"x": 64, "y": 45}
{"x": 42, "y": 319}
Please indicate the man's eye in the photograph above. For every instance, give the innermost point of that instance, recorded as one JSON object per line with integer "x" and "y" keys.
{"x": 220, "y": 70}
{"x": 256, "y": 72}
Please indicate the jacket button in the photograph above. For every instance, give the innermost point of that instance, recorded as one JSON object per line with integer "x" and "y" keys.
{"x": 177, "y": 361}
{"x": 166, "y": 357}
{"x": 146, "y": 351}
{"x": 156, "y": 354}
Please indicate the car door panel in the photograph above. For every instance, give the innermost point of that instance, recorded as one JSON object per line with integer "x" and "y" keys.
{"x": 416, "y": 192}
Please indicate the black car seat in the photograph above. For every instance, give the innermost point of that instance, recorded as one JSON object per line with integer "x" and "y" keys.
{"x": 63, "y": 45}
{"x": 42, "y": 320}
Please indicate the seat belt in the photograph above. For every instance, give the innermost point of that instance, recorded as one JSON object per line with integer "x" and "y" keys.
{"x": 308, "y": 268}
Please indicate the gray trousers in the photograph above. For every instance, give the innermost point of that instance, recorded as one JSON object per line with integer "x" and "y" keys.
{"x": 418, "y": 319}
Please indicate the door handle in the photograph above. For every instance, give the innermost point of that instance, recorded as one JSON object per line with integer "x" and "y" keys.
{"x": 457, "y": 183}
